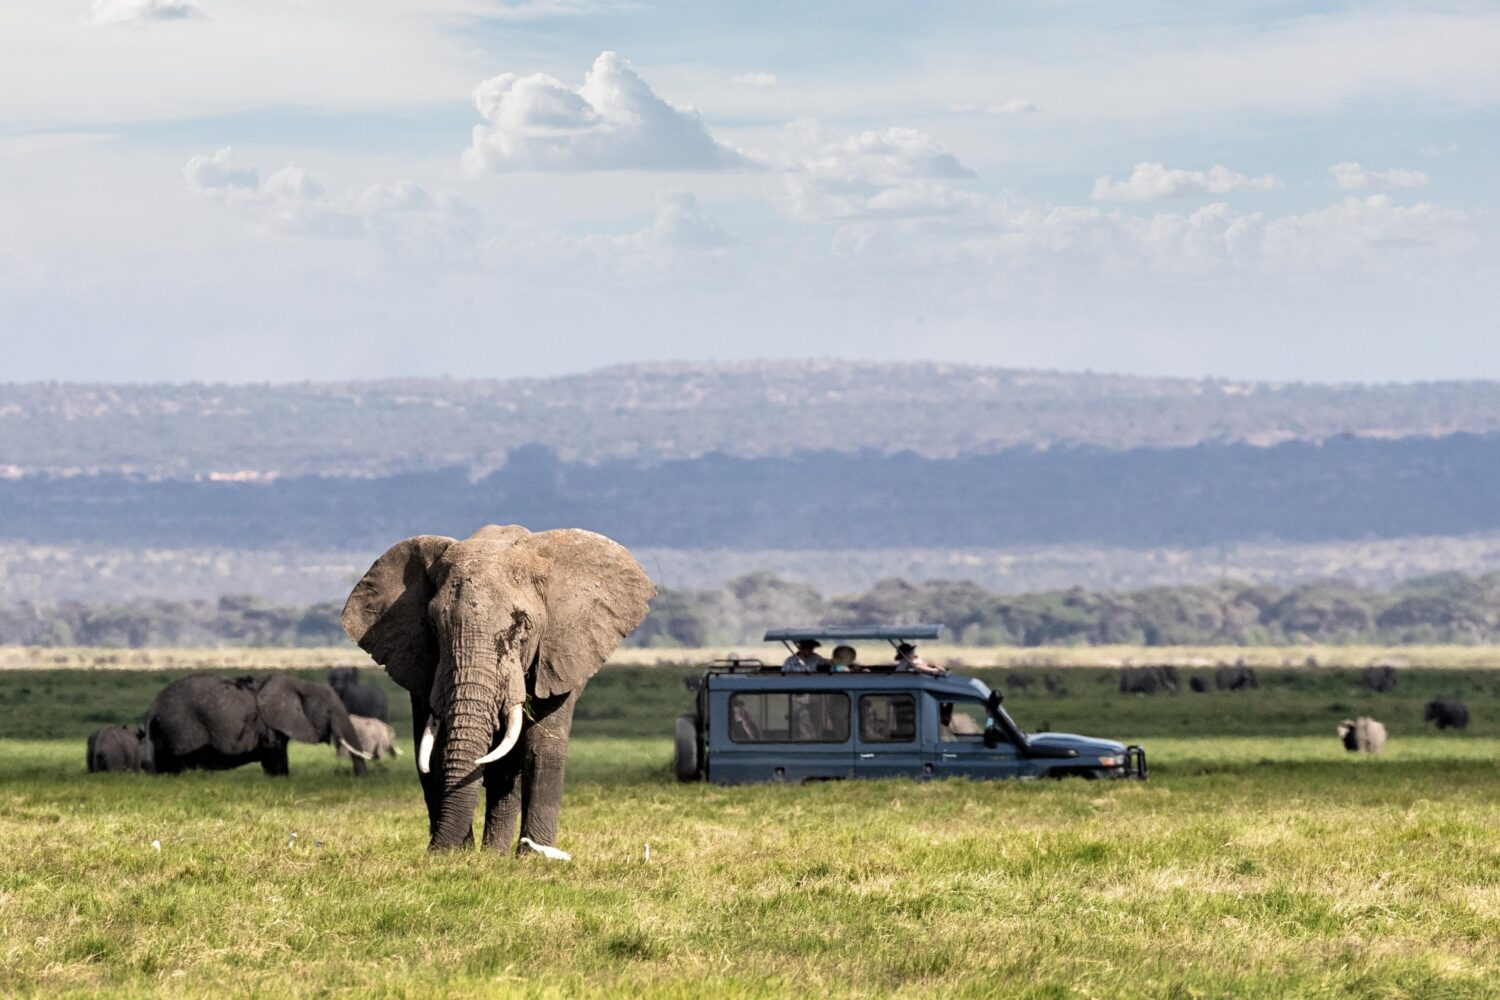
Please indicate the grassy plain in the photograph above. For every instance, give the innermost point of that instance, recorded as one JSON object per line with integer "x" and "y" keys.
{"x": 1260, "y": 860}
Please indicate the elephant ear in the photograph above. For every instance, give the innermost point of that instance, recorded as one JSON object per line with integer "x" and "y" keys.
{"x": 387, "y": 611}
{"x": 279, "y": 702}
{"x": 596, "y": 594}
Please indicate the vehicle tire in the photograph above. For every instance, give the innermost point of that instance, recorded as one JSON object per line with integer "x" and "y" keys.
{"x": 685, "y": 754}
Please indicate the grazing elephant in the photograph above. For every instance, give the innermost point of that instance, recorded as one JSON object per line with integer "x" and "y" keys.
{"x": 376, "y": 738}
{"x": 118, "y": 748}
{"x": 216, "y": 723}
{"x": 1054, "y": 685}
{"x": 1448, "y": 713}
{"x": 478, "y": 631}
{"x": 1019, "y": 680}
{"x": 1148, "y": 680}
{"x": 1380, "y": 677}
{"x": 1362, "y": 734}
{"x": 1236, "y": 678}
{"x": 360, "y": 699}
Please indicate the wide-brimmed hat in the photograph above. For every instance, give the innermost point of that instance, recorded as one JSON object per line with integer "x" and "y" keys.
{"x": 906, "y": 647}
{"x": 808, "y": 644}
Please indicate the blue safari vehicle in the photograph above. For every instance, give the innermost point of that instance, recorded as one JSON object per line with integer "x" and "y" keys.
{"x": 753, "y": 722}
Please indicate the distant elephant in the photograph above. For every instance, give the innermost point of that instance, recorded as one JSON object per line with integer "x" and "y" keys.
{"x": 118, "y": 748}
{"x": 215, "y": 723}
{"x": 1148, "y": 680}
{"x": 479, "y": 629}
{"x": 1380, "y": 677}
{"x": 1054, "y": 685}
{"x": 376, "y": 738}
{"x": 1197, "y": 684}
{"x": 1019, "y": 680}
{"x": 360, "y": 699}
{"x": 1448, "y": 713}
{"x": 1362, "y": 734}
{"x": 1236, "y": 678}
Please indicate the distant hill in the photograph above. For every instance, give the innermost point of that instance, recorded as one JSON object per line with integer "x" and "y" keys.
{"x": 654, "y": 413}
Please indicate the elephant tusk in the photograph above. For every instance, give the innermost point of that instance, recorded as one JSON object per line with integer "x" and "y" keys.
{"x": 512, "y": 734}
{"x": 424, "y": 752}
{"x": 357, "y": 753}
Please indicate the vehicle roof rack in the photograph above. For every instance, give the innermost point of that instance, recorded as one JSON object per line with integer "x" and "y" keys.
{"x": 889, "y": 632}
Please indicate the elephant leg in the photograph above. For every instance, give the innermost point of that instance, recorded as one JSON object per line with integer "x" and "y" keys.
{"x": 273, "y": 759}
{"x": 544, "y": 756}
{"x": 432, "y": 782}
{"x": 502, "y": 801}
{"x": 359, "y": 766}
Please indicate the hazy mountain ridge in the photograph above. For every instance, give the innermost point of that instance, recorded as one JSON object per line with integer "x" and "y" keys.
{"x": 662, "y": 412}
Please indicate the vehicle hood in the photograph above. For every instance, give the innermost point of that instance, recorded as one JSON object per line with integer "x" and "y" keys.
{"x": 1087, "y": 746}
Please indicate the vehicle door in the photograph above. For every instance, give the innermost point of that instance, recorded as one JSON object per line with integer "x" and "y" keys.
{"x": 783, "y": 735}
{"x": 886, "y": 738}
{"x": 960, "y": 751}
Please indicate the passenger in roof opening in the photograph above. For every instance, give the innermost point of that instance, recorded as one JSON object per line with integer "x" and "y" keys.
{"x": 845, "y": 659}
{"x": 806, "y": 659}
{"x": 907, "y": 659}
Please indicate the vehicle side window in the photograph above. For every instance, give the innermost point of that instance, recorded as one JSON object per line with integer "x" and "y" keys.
{"x": 887, "y": 718}
{"x": 789, "y": 717}
{"x": 962, "y": 721}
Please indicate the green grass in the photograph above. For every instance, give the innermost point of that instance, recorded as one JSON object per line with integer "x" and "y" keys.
{"x": 1260, "y": 860}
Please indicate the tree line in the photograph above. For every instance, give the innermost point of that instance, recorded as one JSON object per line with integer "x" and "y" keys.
{"x": 1444, "y": 608}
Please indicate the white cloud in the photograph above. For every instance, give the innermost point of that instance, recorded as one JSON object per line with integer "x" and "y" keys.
{"x": 141, "y": 12}
{"x": 1149, "y": 181}
{"x": 614, "y": 121}
{"x": 755, "y": 79}
{"x": 886, "y": 172}
{"x": 1353, "y": 177}
{"x": 679, "y": 226}
{"x": 1441, "y": 150}
{"x": 1010, "y": 106}
{"x": 293, "y": 202}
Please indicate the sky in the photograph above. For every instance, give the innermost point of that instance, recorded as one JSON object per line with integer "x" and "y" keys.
{"x": 278, "y": 190}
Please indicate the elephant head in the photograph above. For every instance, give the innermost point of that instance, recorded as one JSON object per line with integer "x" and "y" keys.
{"x": 306, "y": 711}
{"x": 474, "y": 627}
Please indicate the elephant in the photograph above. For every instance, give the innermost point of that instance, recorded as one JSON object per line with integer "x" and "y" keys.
{"x": 1148, "y": 680}
{"x": 1448, "y": 713}
{"x": 1197, "y": 684}
{"x": 216, "y": 723}
{"x": 1019, "y": 680}
{"x": 1362, "y": 734}
{"x": 360, "y": 699}
{"x": 1380, "y": 677}
{"x": 494, "y": 637}
{"x": 118, "y": 748}
{"x": 1054, "y": 685}
{"x": 1236, "y": 678}
{"x": 376, "y": 738}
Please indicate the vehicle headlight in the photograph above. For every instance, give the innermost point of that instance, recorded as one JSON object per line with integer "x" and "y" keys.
{"x": 1109, "y": 762}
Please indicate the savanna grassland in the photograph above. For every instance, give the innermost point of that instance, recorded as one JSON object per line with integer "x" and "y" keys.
{"x": 1261, "y": 859}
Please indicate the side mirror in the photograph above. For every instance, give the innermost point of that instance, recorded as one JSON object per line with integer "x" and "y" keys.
{"x": 994, "y": 702}
{"x": 991, "y": 737}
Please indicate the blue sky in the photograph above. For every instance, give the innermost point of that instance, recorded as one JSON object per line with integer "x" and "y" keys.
{"x": 277, "y": 190}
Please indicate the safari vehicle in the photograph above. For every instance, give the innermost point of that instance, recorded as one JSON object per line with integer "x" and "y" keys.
{"x": 753, "y": 723}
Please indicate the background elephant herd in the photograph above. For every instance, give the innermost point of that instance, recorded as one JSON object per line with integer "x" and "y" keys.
{"x": 215, "y": 723}
{"x": 1363, "y": 734}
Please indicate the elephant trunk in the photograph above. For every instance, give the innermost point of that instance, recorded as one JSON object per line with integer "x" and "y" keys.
{"x": 481, "y": 684}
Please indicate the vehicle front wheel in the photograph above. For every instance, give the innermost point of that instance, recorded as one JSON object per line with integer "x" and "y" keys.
{"x": 685, "y": 763}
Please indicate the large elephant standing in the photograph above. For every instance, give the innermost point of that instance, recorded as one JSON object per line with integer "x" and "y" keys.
{"x": 215, "y": 723}
{"x": 478, "y": 629}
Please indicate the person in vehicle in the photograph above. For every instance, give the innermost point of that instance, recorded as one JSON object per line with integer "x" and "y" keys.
{"x": 806, "y": 659}
{"x": 907, "y": 659}
{"x": 845, "y": 659}
{"x": 956, "y": 725}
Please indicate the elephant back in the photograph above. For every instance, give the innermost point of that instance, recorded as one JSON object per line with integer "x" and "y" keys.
{"x": 203, "y": 710}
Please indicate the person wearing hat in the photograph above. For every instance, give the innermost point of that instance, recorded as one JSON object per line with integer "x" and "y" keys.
{"x": 805, "y": 660}
{"x": 907, "y": 659}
